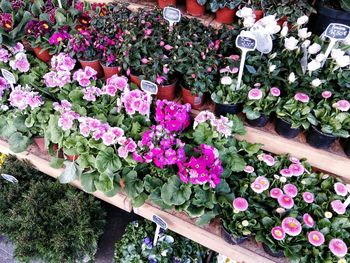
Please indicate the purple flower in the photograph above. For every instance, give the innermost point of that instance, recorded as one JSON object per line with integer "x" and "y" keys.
{"x": 4, "y": 55}
{"x": 58, "y": 37}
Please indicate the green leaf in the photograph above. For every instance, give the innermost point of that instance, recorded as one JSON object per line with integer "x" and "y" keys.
{"x": 104, "y": 183}
{"x": 133, "y": 185}
{"x": 108, "y": 160}
{"x": 19, "y": 123}
{"x": 139, "y": 200}
{"x": 71, "y": 172}
{"x": 174, "y": 192}
{"x": 195, "y": 211}
{"x": 56, "y": 162}
{"x": 18, "y": 143}
{"x": 87, "y": 181}
{"x": 207, "y": 217}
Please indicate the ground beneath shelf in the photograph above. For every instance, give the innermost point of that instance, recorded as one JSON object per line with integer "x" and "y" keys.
{"x": 117, "y": 219}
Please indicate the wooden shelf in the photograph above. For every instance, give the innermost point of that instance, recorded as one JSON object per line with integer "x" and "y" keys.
{"x": 41, "y": 163}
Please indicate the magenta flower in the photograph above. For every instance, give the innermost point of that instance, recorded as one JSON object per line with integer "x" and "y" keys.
{"x": 338, "y": 247}
{"x": 58, "y": 37}
{"x": 340, "y": 189}
{"x": 294, "y": 159}
{"x": 285, "y": 201}
{"x": 278, "y": 233}
{"x": 268, "y": 159}
{"x": 297, "y": 169}
{"x": 338, "y": 207}
{"x": 291, "y": 190}
{"x": 308, "y": 197}
{"x": 20, "y": 63}
{"x": 342, "y": 105}
{"x": 262, "y": 180}
{"x": 4, "y": 55}
{"x": 326, "y": 94}
{"x": 291, "y": 226}
{"x": 276, "y": 193}
{"x": 308, "y": 220}
{"x": 302, "y": 97}
{"x": 255, "y": 94}
{"x": 240, "y": 204}
{"x": 110, "y": 90}
{"x": 144, "y": 60}
{"x": 316, "y": 238}
{"x": 249, "y": 169}
{"x": 168, "y": 47}
{"x": 275, "y": 92}
{"x": 286, "y": 172}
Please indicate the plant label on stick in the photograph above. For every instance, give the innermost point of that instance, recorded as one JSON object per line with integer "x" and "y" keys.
{"x": 151, "y": 89}
{"x": 9, "y": 178}
{"x": 8, "y": 76}
{"x": 245, "y": 43}
{"x": 172, "y": 15}
{"x": 347, "y": 202}
{"x": 160, "y": 224}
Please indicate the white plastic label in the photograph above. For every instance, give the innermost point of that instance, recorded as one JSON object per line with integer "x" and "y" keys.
{"x": 149, "y": 87}
{"x": 246, "y": 43}
{"x": 160, "y": 224}
{"x": 337, "y": 31}
{"x": 172, "y": 15}
{"x": 9, "y": 178}
{"x": 8, "y": 76}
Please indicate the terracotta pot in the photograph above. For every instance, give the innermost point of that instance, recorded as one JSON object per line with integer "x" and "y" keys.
{"x": 281, "y": 21}
{"x": 194, "y": 9}
{"x": 95, "y": 64}
{"x": 195, "y": 100}
{"x": 71, "y": 158}
{"x": 40, "y": 142}
{"x": 135, "y": 79}
{"x": 167, "y": 92}
{"x": 43, "y": 55}
{"x": 258, "y": 14}
{"x": 225, "y": 15}
{"x": 165, "y": 3}
{"x": 110, "y": 71}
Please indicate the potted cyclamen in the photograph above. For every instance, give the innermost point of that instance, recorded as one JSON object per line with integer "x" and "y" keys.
{"x": 261, "y": 102}
{"x": 293, "y": 114}
{"x": 333, "y": 121}
{"x": 195, "y": 7}
{"x": 224, "y": 10}
{"x": 255, "y": 5}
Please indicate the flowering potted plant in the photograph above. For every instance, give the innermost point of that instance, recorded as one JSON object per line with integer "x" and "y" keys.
{"x": 293, "y": 114}
{"x": 333, "y": 121}
{"x": 261, "y": 102}
{"x": 257, "y": 7}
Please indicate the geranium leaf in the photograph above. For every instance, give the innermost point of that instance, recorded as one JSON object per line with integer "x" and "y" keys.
{"x": 108, "y": 160}
{"x": 174, "y": 192}
{"x": 18, "y": 142}
{"x": 71, "y": 172}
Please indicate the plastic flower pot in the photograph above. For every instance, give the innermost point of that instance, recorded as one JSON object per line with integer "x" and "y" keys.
{"x": 347, "y": 147}
{"x": 167, "y": 92}
{"x": 268, "y": 250}
{"x": 165, "y": 3}
{"x": 40, "y": 142}
{"x": 196, "y": 101}
{"x": 320, "y": 140}
{"x": 285, "y": 129}
{"x": 95, "y": 64}
{"x": 229, "y": 238}
{"x": 43, "y": 55}
{"x": 258, "y": 14}
{"x": 194, "y": 9}
{"x": 224, "y": 109}
{"x": 71, "y": 158}
{"x": 259, "y": 122}
{"x": 110, "y": 71}
{"x": 136, "y": 80}
{"x": 225, "y": 15}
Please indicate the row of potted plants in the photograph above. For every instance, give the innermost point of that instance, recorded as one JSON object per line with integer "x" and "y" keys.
{"x": 106, "y": 135}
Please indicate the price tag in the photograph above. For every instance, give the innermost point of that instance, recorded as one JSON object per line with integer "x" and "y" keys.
{"x": 246, "y": 42}
{"x": 149, "y": 87}
{"x": 160, "y": 224}
{"x": 172, "y": 15}
{"x": 9, "y": 178}
{"x": 8, "y": 76}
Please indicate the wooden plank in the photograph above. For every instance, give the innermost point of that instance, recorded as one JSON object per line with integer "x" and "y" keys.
{"x": 209, "y": 236}
{"x": 120, "y": 200}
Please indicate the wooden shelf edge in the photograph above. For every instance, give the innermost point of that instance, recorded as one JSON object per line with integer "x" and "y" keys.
{"x": 202, "y": 236}
{"x": 120, "y": 200}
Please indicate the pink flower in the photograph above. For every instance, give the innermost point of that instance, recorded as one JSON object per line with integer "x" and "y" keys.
{"x": 338, "y": 247}
{"x": 294, "y": 159}
{"x": 168, "y": 47}
{"x": 278, "y": 233}
{"x": 326, "y": 94}
{"x": 276, "y": 193}
{"x": 161, "y": 43}
{"x": 249, "y": 169}
{"x": 144, "y": 61}
{"x": 302, "y": 97}
{"x": 340, "y": 189}
{"x": 297, "y": 169}
{"x": 240, "y": 204}
{"x": 315, "y": 238}
{"x": 255, "y": 94}
{"x": 291, "y": 226}
{"x": 308, "y": 220}
{"x": 291, "y": 190}
{"x": 275, "y": 92}
{"x": 108, "y": 138}
{"x": 263, "y": 182}
{"x": 308, "y": 197}
{"x": 285, "y": 201}
{"x": 110, "y": 90}
{"x": 20, "y": 63}
{"x": 65, "y": 122}
{"x": 122, "y": 152}
{"x": 269, "y": 160}
{"x": 338, "y": 207}
{"x": 256, "y": 187}
{"x": 286, "y": 172}
{"x": 342, "y": 105}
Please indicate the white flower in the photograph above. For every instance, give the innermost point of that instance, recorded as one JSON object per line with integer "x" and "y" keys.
{"x": 291, "y": 43}
{"x": 284, "y": 31}
{"x": 306, "y": 43}
{"x": 245, "y": 223}
{"x": 223, "y": 259}
{"x": 302, "y": 33}
{"x": 249, "y": 21}
{"x": 276, "y": 176}
{"x": 291, "y": 77}
{"x": 283, "y": 179}
{"x": 302, "y": 20}
{"x": 245, "y": 12}
{"x": 316, "y": 82}
{"x": 342, "y": 260}
{"x": 343, "y": 61}
{"x": 4, "y": 107}
{"x": 268, "y": 24}
{"x": 328, "y": 214}
{"x": 313, "y": 65}
{"x": 272, "y": 68}
{"x": 346, "y": 41}
{"x": 226, "y": 80}
{"x": 320, "y": 57}
{"x": 337, "y": 53}
{"x": 303, "y": 182}
{"x": 280, "y": 210}
{"x": 314, "y": 48}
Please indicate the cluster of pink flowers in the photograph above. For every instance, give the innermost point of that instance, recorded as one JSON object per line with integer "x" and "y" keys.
{"x": 91, "y": 93}
{"x": 267, "y": 158}
{"x": 260, "y": 184}
{"x": 285, "y": 197}
{"x": 62, "y": 62}
{"x": 135, "y": 101}
{"x": 3, "y": 86}
{"x": 67, "y": 117}
{"x": 222, "y": 125}
{"x": 160, "y": 147}
{"x": 22, "y": 98}
{"x": 20, "y": 62}
{"x": 85, "y": 76}
{"x": 114, "y": 84}
{"x": 204, "y": 169}
{"x": 173, "y": 117}
{"x": 295, "y": 169}
{"x": 4, "y": 55}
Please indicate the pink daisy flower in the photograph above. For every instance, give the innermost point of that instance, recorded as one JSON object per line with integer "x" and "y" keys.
{"x": 256, "y": 187}
{"x": 308, "y": 220}
{"x": 338, "y": 207}
{"x": 249, "y": 169}
{"x": 275, "y": 193}
{"x": 240, "y": 204}
{"x": 285, "y": 201}
{"x": 297, "y": 169}
{"x": 291, "y": 190}
{"x": 294, "y": 159}
{"x": 308, "y": 197}
{"x": 338, "y": 247}
{"x": 275, "y": 92}
{"x": 326, "y": 94}
{"x": 278, "y": 233}
{"x": 302, "y": 97}
{"x": 268, "y": 159}
{"x": 316, "y": 238}
{"x": 340, "y": 189}
{"x": 255, "y": 94}
{"x": 342, "y": 105}
{"x": 263, "y": 182}
{"x": 286, "y": 172}
{"x": 291, "y": 226}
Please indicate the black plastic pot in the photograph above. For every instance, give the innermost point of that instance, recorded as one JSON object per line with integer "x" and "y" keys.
{"x": 325, "y": 16}
{"x": 229, "y": 238}
{"x": 285, "y": 129}
{"x": 347, "y": 147}
{"x": 278, "y": 254}
{"x": 259, "y": 122}
{"x": 319, "y": 140}
{"x": 224, "y": 109}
